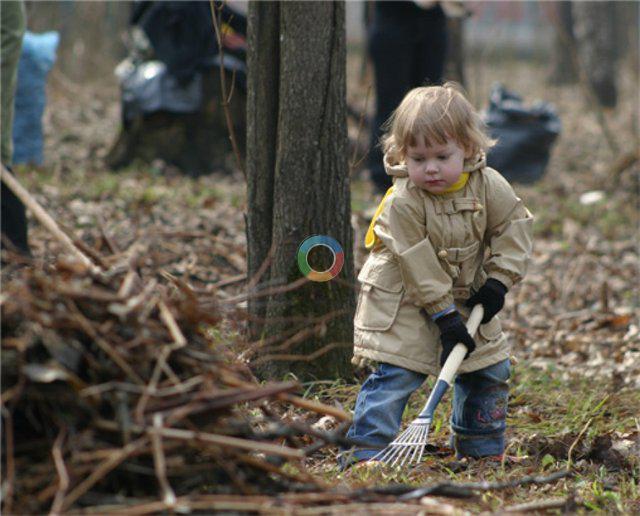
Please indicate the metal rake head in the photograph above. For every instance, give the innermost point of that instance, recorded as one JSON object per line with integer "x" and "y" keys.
{"x": 408, "y": 447}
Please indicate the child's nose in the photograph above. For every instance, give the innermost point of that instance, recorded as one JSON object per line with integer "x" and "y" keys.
{"x": 431, "y": 167}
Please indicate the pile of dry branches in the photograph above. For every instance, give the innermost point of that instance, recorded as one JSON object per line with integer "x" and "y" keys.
{"x": 113, "y": 392}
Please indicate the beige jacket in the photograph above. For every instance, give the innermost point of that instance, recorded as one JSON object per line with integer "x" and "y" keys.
{"x": 431, "y": 251}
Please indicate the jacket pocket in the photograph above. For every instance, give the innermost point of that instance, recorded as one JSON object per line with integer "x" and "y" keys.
{"x": 380, "y": 295}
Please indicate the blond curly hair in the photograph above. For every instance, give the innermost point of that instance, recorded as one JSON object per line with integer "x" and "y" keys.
{"x": 436, "y": 114}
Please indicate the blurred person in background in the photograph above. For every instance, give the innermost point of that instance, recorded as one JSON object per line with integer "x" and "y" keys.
{"x": 12, "y": 29}
{"x": 407, "y": 42}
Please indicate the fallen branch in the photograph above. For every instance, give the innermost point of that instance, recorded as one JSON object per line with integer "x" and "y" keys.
{"x": 469, "y": 489}
{"x": 63, "y": 483}
{"x": 166, "y": 316}
{"x": 301, "y": 358}
{"x": 45, "y": 219}
{"x": 313, "y": 406}
{"x": 102, "y": 470}
{"x": 567, "y": 505}
{"x": 234, "y": 442}
{"x": 159, "y": 461}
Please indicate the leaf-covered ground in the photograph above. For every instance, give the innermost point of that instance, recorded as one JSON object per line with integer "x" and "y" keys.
{"x": 574, "y": 320}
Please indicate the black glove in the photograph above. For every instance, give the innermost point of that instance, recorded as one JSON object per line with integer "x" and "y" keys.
{"x": 452, "y": 331}
{"x": 491, "y": 297}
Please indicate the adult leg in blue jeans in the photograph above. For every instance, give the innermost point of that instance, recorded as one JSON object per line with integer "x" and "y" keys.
{"x": 479, "y": 413}
{"x": 378, "y": 411}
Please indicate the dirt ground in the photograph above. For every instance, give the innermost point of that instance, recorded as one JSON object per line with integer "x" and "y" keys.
{"x": 575, "y": 395}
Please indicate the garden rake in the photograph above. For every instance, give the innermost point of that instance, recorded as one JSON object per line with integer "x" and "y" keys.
{"x": 408, "y": 447}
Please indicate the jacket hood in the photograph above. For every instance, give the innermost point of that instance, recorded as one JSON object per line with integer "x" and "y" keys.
{"x": 395, "y": 168}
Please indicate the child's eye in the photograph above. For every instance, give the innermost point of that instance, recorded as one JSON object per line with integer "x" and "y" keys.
{"x": 417, "y": 160}
{"x": 443, "y": 157}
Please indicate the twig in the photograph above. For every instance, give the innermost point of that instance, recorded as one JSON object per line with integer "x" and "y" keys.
{"x": 186, "y": 386}
{"x": 568, "y": 505}
{"x": 151, "y": 387}
{"x": 604, "y": 296}
{"x": 266, "y": 263}
{"x": 10, "y": 475}
{"x": 63, "y": 483}
{"x": 102, "y": 470}
{"x": 167, "y": 317}
{"x": 238, "y": 278}
{"x": 127, "y": 284}
{"x": 169, "y": 497}
{"x": 235, "y": 442}
{"x": 298, "y": 336}
{"x": 468, "y": 489}
{"x": 88, "y": 250}
{"x": 572, "y": 278}
{"x": 187, "y": 505}
{"x": 313, "y": 406}
{"x": 45, "y": 219}
{"x": 102, "y": 343}
{"x": 220, "y": 401}
{"x": 573, "y": 315}
{"x": 573, "y": 445}
{"x": 268, "y": 292}
{"x": 301, "y": 358}
{"x": 223, "y": 88}
{"x": 123, "y": 309}
{"x": 272, "y": 468}
{"x": 374, "y": 508}
{"x": 113, "y": 247}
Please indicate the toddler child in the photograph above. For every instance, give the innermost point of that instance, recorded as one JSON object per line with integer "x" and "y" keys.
{"x": 449, "y": 234}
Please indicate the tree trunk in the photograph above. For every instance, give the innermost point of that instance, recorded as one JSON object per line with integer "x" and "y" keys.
{"x": 298, "y": 182}
{"x": 594, "y": 31}
{"x": 456, "y": 52}
{"x": 626, "y": 15}
{"x": 563, "y": 70}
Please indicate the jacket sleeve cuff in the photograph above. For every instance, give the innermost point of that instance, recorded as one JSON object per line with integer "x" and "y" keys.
{"x": 506, "y": 279}
{"x": 442, "y": 313}
{"x": 439, "y": 305}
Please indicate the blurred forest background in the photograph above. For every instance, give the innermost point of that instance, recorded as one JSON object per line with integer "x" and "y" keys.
{"x": 574, "y": 321}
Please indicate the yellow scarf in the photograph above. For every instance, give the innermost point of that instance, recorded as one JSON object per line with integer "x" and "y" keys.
{"x": 371, "y": 239}
{"x": 462, "y": 180}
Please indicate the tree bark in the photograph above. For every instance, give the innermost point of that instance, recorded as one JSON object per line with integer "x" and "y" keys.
{"x": 563, "y": 70}
{"x": 298, "y": 177}
{"x": 594, "y": 31}
{"x": 456, "y": 52}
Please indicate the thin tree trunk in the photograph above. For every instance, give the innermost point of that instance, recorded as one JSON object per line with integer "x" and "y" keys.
{"x": 298, "y": 177}
{"x": 562, "y": 67}
{"x": 594, "y": 31}
{"x": 455, "y": 52}
{"x": 263, "y": 63}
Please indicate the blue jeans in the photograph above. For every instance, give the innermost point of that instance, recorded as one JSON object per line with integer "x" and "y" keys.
{"x": 478, "y": 421}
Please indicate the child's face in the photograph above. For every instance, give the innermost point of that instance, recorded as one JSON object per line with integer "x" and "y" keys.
{"x": 435, "y": 168}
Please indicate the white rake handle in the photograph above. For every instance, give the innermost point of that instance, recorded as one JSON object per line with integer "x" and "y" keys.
{"x": 455, "y": 358}
{"x": 458, "y": 353}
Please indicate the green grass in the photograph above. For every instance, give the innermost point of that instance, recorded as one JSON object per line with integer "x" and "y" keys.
{"x": 547, "y": 413}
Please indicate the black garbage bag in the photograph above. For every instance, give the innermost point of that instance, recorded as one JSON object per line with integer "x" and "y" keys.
{"x": 525, "y": 135}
